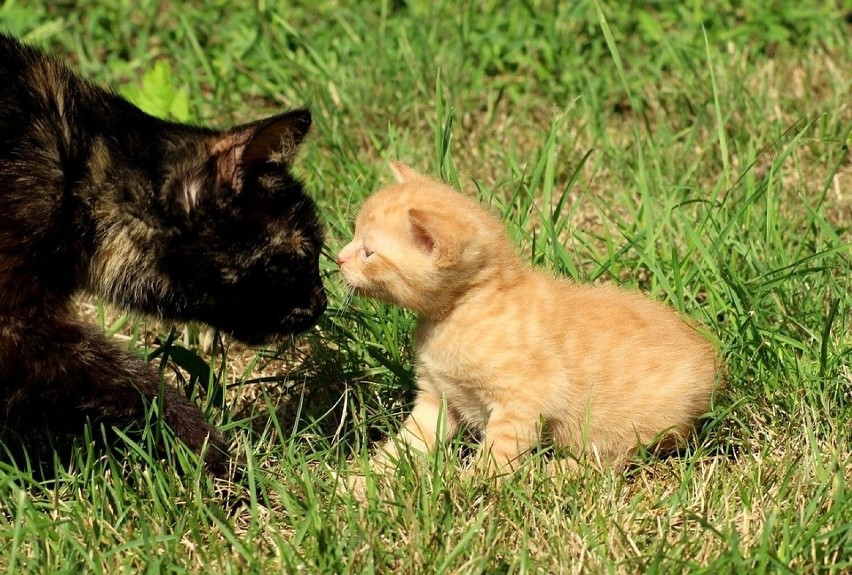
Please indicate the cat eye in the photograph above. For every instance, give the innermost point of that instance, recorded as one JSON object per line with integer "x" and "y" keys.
{"x": 367, "y": 252}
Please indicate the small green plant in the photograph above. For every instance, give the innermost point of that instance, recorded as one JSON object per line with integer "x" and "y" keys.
{"x": 157, "y": 94}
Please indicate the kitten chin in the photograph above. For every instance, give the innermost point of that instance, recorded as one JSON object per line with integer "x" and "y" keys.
{"x": 508, "y": 348}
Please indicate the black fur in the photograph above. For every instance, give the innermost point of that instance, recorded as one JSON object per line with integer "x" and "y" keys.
{"x": 184, "y": 222}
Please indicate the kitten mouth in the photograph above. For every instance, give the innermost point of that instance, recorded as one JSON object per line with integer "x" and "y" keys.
{"x": 350, "y": 282}
{"x": 359, "y": 290}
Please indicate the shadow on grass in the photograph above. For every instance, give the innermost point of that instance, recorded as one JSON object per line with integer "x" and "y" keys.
{"x": 338, "y": 392}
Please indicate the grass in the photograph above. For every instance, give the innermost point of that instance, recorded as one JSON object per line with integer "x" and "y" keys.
{"x": 695, "y": 150}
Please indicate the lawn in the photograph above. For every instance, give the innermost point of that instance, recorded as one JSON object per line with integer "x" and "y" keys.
{"x": 698, "y": 151}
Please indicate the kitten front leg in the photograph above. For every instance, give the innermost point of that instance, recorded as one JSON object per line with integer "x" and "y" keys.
{"x": 508, "y": 435}
{"x": 429, "y": 423}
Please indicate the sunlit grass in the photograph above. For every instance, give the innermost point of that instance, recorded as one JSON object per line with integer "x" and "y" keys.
{"x": 696, "y": 151}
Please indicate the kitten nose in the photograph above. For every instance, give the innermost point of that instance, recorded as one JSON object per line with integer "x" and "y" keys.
{"x": 345, "y": 253}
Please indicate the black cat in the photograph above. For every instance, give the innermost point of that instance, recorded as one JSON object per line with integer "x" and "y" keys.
{"x": 184, "y": 222}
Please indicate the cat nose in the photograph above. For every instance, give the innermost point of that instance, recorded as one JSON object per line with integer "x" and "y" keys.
{"x": 346, "y": 253}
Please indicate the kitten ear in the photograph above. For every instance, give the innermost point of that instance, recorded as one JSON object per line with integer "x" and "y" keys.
{"x": 438, "y": 234}
{"x": 402, "y": 173}
{"x": 421, "y": 223}
{"x": 273, "y": 140}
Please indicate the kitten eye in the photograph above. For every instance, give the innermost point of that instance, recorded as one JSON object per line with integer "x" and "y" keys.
{"x": 367, "y": 252}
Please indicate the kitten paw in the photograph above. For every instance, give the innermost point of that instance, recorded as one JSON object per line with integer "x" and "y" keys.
{"x": 357, "y": 487}
{"x": 562, "y": 466}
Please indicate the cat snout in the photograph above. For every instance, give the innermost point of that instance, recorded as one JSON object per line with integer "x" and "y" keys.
{"x": 346, "y": 253}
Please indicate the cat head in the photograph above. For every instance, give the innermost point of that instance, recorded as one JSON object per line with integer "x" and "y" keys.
{"x": 232, "y": 240}
{"x": 421, "y": 245}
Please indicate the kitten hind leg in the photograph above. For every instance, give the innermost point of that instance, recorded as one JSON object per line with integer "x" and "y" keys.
{"x": 509, "y": 434}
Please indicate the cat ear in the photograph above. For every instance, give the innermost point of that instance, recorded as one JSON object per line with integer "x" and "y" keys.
{"x": 276, "y": 139}
{"x": 402, "y": 173}
{"x": 421, "y": 222}
{"x": 438, "y": 234}
{"x": 273, "y": 140}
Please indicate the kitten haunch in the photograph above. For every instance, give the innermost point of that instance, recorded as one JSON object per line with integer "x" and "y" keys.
{"x": 183, "y": 222}
{"x": 509, "y": 347}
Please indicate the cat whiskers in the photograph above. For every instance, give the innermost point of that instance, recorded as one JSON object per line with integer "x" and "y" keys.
{"x": 348, "y": 295}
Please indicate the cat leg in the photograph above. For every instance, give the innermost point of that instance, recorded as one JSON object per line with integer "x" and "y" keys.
{"x": 429, "y": 423}
{"x": 508, "y": 435}
{"x": 65, "y": 372}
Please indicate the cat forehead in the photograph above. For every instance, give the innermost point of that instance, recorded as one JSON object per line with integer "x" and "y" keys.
{"x": 384, "y": 205}
{"x": 289, "y": 240}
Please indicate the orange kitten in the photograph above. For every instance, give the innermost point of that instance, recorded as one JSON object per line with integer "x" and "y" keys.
{"x": 509, "y": 348}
